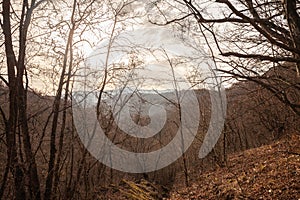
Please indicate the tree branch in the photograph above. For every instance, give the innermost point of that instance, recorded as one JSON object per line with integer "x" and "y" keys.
{"x": 261, "y": 57}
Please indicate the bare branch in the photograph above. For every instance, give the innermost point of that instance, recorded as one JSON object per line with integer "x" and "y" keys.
{"x": 261, "y": 57}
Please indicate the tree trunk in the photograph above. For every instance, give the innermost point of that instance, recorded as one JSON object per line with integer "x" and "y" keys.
{"x": 18, "y": 106}
{"x": 293, "y": 20}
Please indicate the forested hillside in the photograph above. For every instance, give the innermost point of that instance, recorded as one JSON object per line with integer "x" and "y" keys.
{"x": 149, "y": 99}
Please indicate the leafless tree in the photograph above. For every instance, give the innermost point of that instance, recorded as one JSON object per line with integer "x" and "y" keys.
{"x": 17, "y": 83}
{"x": 245, "y": 37}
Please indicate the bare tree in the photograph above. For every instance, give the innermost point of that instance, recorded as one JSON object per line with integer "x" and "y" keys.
{"x": 246, "y": 37}
{"x": 17, "y": 84}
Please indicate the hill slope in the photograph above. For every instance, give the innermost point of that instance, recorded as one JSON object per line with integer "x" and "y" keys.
{"x": 268, "y": 172}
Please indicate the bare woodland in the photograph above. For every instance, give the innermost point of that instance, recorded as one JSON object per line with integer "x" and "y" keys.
{"x": 254, "y": 44}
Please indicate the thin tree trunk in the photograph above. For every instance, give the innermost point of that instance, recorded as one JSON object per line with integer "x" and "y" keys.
{"x": 13, "y": 107}
{"x": 22, "y": 104}
{"x": 62, "y": 132}
{"x": 56, "y": 111}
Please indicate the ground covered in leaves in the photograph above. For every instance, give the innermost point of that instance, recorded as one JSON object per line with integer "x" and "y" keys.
{"x": 268, "y": 172}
